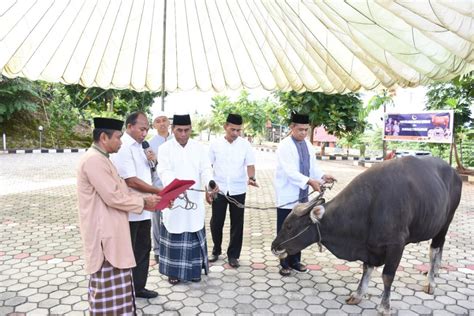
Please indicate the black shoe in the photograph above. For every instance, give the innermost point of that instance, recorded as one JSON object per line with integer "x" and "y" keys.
{"x": 213, "y": 258}
{"x": 299, "y": 267}
{"x": 234, "y": 263}
{"x": 146, "y": 294}
{"x": 285, "y": 272}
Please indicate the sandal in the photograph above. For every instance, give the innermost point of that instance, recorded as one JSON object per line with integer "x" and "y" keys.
{"x": 285, "y": 271}
{"x": 173, "y": 281}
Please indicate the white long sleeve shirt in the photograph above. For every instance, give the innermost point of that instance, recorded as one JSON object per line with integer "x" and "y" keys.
{"x": 190, "y": 162}
{"x": 230, "y": 161}
{"x": 288, "y": 178}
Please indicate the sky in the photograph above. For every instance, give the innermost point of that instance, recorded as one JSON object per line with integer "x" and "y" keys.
{"x": 406, "y": 100}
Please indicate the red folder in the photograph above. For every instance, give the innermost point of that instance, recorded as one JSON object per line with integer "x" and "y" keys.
{"x": 171, "y": 192}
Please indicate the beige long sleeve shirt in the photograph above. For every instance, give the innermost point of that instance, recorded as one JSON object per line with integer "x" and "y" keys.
{"x": 104, "y": 203}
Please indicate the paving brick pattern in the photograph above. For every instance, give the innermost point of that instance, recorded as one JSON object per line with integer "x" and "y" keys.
{"x": 41, "y": 265}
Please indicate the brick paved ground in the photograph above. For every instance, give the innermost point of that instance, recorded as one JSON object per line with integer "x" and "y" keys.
{"x": 41, "y": 268}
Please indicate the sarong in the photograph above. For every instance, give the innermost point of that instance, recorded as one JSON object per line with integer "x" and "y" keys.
{"x": 111, "y": 291}
{"x": 184, "y": 255}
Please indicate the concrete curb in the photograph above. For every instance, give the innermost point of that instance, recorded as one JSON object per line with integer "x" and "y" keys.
{"x": 329, "y": 157}
{"x": 44, "y": 151}
{"x": 466, "y": 178}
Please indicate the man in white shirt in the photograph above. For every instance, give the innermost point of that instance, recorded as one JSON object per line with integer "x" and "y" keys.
{"x": 183, "y": 246}
{"x": 132, "y": 165}
{"x": 161, "y": 123}
{"x": 233, "y": 161}
{"x": 296, "y": 171}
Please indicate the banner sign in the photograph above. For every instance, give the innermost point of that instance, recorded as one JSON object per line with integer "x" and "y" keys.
{"x": 427, "y": 126}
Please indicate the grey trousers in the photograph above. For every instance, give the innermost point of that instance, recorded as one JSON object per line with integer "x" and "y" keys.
{"x": 156, "y": 222}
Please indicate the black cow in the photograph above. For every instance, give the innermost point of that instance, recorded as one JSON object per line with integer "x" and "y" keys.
{"x": 392, "y": 204}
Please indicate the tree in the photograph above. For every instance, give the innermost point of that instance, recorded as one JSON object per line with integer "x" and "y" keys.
{"x": 339, "y": 113}
{"x": 255, "y": 113}
{"x": 16, "y": 95}
{"x": 62, "y": 116}
{"x": 383, "y": 99}
{"x": 457, "y": 95}
{"x": 120, "y": 102}
{"x": 199, "y": 124}
{"x": 59, "y": 109}
{"x": 206, "y": 123}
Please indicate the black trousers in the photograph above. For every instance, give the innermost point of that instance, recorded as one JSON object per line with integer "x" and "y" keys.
{"x": 219, "y": 208}
{"x": 141, "y": 243}
{"x": 292, "y": 260}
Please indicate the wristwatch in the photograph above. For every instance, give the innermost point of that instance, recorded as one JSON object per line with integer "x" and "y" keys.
{"x": 252, "y": 178}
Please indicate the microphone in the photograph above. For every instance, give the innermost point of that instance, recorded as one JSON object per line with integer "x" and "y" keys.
{"x": 212, "y": 186}
{"x": 146, "y": 146}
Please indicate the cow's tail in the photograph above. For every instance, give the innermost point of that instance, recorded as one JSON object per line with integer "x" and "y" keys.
{"x": 454, "y": 188}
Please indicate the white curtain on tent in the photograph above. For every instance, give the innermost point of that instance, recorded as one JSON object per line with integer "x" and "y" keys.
{"x": 331, "y": 46}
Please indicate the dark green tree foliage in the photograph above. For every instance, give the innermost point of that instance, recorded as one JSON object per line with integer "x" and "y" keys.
{"x": 98, "y": 100}
{"x": 17, "y": 95}
{"x": 62, "y": 116}
{"x": 339, "y": 113}
{"x": 64, "y": 111}
{"x": 255, "y": 113}
{"x": 456, "y": 95}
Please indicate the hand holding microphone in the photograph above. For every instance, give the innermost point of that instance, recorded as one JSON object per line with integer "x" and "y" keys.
{"x": 149, "y": 155}
{"x": 213, "y": 190}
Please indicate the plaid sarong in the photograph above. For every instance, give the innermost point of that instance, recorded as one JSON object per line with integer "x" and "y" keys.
{"x": 184, "y": 255}
{"x": 111, "y": 291}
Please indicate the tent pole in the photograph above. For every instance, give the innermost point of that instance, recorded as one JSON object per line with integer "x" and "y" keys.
{"x": 163, "y": 59}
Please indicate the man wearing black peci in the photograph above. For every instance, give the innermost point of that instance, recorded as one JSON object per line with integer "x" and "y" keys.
{"x": 233, "y": 161}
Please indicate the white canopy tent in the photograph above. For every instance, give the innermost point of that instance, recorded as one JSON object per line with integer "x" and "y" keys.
{"x": 212, "y": 45}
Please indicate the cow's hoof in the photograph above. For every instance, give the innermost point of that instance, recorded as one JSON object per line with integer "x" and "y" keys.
{"x": 428, "y": 289}
{"x": 385, "y": 311}
{"x": 353, "y": 300}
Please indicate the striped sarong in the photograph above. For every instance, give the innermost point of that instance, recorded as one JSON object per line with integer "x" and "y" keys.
{"x": 111, "y": 291}
{"x": 184, "y": 255}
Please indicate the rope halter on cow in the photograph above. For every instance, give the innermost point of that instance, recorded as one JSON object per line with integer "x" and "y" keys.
{"x": 316, "y": 203}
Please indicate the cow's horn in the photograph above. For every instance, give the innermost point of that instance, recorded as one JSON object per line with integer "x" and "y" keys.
{"x": 317, "y": 213}
{"x": 303, "y": 208}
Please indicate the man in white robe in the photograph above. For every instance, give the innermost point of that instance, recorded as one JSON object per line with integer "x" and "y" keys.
{"x": 183, "y": 246}
{"x": 296, "y": 171}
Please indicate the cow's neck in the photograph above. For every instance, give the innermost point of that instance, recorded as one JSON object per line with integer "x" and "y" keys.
{"x": 339, "y": 235}
{"x": 327, "y": 226}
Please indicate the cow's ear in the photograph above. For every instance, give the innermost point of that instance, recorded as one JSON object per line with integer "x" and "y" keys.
{"x": 317, "y": 213}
